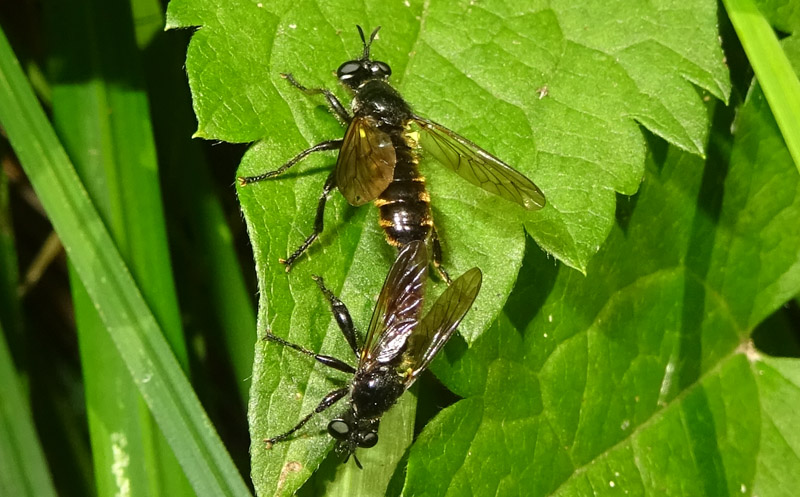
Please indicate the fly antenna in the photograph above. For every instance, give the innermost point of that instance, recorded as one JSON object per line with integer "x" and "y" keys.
{"x": 365, "y": 42}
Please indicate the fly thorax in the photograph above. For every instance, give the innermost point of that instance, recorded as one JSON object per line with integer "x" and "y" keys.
{"x": 379, "y": 100}
{"x": 375, "y": 391}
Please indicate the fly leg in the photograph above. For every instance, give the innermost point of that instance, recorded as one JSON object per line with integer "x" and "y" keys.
{"x": 319, "y": 222}
{"x": 327, "y": 360}
{"x": 341, "y": 314}
{"x": 437, "y": 256}
{"x": 319, "y": 147}
{"x": 333, "y": 102}
{"x": 328, "y": 401}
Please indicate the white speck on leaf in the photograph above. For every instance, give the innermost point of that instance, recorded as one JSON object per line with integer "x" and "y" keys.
{"x": 119, "y": 467}
{"x": 542, "y": 91}
{"x": 666, "y": 383}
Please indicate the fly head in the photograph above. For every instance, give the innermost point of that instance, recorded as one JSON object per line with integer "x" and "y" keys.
{"x": 355, "y": 73}
{"x": 352, "y": 432}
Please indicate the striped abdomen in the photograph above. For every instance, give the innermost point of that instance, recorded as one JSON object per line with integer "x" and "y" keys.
{"x": 404, "y": 206}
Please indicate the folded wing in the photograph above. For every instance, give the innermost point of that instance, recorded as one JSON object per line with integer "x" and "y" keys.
{"x": 366, "y": 161}
{"x": 439, "y": 324}
{"x": 399, "y": 306}
{"x": 476, "y": 165}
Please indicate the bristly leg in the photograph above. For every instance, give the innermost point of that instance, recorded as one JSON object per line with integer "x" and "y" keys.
{"x": 333, "y": 102}
{"x": 341, "y": 314}
{"x": 319, "y": 222}
{"x": 437, "y": 256}
{"x": 330, "y": 399}
{"x": 331, "y": 362}
{"x": 319, "y": 147}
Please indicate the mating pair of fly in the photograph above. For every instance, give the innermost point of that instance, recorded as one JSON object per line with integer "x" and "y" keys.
{"x": 378, "y": 163}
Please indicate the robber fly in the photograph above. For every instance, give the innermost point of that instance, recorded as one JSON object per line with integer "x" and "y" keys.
{"x": 399, "y": 346}
{"x": 378, "y": 161}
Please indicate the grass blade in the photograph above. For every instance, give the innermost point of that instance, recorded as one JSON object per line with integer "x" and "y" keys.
{"x": 772, "y": 68}
{"x": 221, "y": 299}
{"x": 120, "y": 305}
{"x": 100, "y": 112}
{"x": 43, "y": 378}
{"x": 9, "y": 304}
{"x": 21, "y": 457}
{"x": 24, "y": 467}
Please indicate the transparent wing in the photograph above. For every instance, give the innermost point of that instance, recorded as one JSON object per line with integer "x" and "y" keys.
{"x": 366, "y": 161}
{"x": 477, "y": 166}
{"x": 399, "y": 305}
{"x": 439, "y": 324}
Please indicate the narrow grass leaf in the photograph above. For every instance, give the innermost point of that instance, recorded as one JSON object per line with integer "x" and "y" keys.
{"x": 772, "y": 68}
{"x": 10, "y": 315}
{"x": 214, "y": 288}
{"x": 101, "y": 115}
{"x": 25, "y": 472}
{"x": 119, "y": 303}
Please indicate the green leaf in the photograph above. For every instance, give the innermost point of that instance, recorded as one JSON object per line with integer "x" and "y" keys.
{"x": 778, "y": 381}
{"x": 100, "y": 112}
{"x": 24, "y": 466}
{"x": 607, "y": 68}
{"x": 580, "y": 144}
{"x": 129, "y": 321}
{"x": 25, "y": 471}
{"x": 215, "y": 301}
{"x": 40, "y": 380}
{"x": 783, "y": 14}
{"x": 641, "y": 378}
{"x": 9, "y": 279}
{"x": 772, "y": 68}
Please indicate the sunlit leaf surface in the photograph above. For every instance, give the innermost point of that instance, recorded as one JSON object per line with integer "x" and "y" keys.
{"x": 559, "y": 90}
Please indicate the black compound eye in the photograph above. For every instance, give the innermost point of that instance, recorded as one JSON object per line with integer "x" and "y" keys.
{"x": 381, "y": 68}
{"x": 348, "y": 69}
{"x": 338, "y": 429}
{"x": 368, "y": 440}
